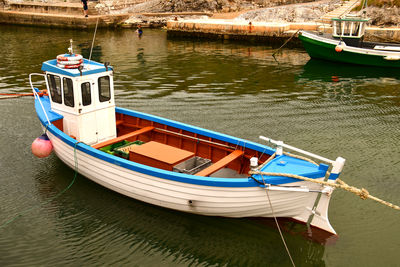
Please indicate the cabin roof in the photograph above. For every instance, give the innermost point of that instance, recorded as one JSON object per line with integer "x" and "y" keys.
{"x": 89, "y": 67}
{"x": 354, "y": 19}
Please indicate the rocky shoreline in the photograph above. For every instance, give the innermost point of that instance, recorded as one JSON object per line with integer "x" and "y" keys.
{"x": 267, "y": 11}
{"x": 156, "y": 13}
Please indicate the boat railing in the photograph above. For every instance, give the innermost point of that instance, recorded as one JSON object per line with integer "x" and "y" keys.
{"x": 337, "y": 165}
{"x": 35, "y": 92}
{"x": 349, "y": 26}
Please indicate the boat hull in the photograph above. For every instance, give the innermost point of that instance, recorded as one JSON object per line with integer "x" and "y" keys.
{"x": 323, "y": 48}
{"x": 227, "y": 197}
{"x": 204, "y": 200}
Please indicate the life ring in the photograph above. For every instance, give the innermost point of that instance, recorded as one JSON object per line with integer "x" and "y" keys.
{"x": 66, "y": 57}
{"x": 70, "y": 62}
{"x": 69, "y": 66}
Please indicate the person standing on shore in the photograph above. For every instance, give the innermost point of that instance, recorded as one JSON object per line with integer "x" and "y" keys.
{"x": 85, "y": 7}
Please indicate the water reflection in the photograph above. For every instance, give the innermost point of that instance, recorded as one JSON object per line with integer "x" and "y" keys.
{"x": 112, "y": 228}
{"x": 227, "y": 87}
{"x": 213, "y": 68}
{"x": 321, "y": 70}
{"x": 86, "y": 52}
{"x": 344, "y": 81}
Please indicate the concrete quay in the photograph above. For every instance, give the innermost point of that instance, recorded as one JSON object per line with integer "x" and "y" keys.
{"x": 265, "y": 32}
{"x": 60, "y": 15}
{"x": 60, "y": 20}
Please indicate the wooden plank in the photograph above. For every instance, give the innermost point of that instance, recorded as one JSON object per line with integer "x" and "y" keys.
{"x": 159, "y": 155}
{"x": 119, "y": 122}
{"x": 123, "y": 137}
{"x": 220, "y": 163}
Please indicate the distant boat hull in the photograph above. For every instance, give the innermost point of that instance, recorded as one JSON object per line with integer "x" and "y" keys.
{"x": 320, "y": 47}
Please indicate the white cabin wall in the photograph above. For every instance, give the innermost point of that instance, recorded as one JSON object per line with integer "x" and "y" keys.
{"x": 92, "y": 123}
{"x": 106, "y": 124}
{"x": 70, "y": 126}
{"x": 87, "y": 128}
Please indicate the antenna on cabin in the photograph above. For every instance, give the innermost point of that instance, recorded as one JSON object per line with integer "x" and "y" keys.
{"x": 70, "y": 49}
{"x": 94, "y": 36}
{"x": 80, "y": 68}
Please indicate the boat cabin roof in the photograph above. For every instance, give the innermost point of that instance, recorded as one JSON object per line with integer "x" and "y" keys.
{"x": 351, "y": 19}
{"x": 89, "y": 67}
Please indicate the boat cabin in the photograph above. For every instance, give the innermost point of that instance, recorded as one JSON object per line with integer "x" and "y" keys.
{"x": 350, "y": 29}
{"x": 84, "y": 97}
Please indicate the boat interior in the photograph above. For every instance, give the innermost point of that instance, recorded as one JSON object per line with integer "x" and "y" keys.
{"x": 173, "y": 149}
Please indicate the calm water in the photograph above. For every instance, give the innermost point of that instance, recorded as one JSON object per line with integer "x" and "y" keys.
{"x": 233, "y": 88}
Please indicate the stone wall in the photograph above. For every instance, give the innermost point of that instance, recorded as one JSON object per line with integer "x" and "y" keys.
{"x": 138, "y": 6}
{"x": 303, "y": 12}
{"x": 215, "y": 5}
{"x": 384, "y": 16}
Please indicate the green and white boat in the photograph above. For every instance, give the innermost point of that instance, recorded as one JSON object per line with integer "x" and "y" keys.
{"x": 346, "y": 44}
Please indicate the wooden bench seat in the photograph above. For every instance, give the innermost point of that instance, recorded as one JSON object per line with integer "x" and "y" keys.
{"x": 220, "y": 163}
{"x": 123, "y": 137}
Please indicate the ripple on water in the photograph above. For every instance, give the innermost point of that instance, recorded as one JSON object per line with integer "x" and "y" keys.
{"x": 232, "y": 88}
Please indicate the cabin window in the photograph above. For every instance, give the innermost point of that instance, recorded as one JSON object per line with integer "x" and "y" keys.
{"x": 356, "y": 28}
{"x": 68, "y": 92}
{"x": 55, "y": 88}
{"x": 104, "y": 88}
{"x": 86, "y": 95}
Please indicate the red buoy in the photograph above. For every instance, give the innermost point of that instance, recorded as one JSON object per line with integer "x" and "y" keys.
{"x": 339, "y": 48}
{"x": 42, "y": 146}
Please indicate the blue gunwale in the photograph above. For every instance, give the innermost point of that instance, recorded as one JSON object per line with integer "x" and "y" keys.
{"x": 174, "y": 176}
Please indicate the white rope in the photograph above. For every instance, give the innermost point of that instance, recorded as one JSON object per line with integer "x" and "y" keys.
{"x": 277, "y": 224}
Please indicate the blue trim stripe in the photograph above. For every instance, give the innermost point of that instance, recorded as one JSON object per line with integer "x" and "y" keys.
{"x": 334, "y": 176}
{"x": 163, "y": 174}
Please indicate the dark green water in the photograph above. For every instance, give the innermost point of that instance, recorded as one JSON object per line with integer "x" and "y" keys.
{"x": 237, "y": 89}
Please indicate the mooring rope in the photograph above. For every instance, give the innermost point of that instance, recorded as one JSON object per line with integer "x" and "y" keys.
{"x": 16, "y": 95}
{"x": 49, "y": 200}
{"x": 287, "y": 41}
{"x": 300, "y": 157}
{"x": 362, "y": 193}
{"x": 268, "y": 160}
{"x": 276, "y": 222}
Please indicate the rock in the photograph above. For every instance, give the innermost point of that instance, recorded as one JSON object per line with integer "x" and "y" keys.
{"x": 384, "y": 16}
{"x": 293, "y": 13}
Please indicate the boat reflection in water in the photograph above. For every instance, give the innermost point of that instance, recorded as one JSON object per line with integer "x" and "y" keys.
{"x": 100, "y": 226}
{"x": 320, "y": 70}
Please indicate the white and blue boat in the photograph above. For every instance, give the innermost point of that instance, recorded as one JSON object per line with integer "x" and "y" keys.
{"x": 172, "y": 164}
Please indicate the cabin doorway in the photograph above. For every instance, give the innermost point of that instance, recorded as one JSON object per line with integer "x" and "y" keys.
{"x": 96, "y": 111}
